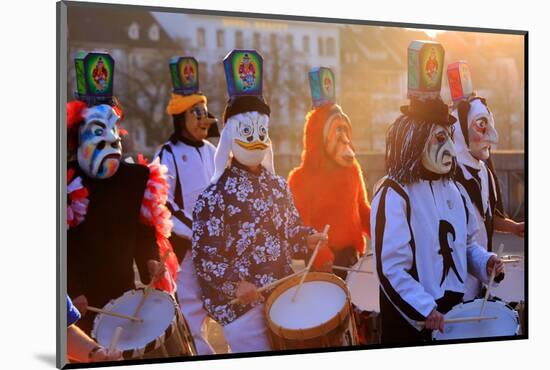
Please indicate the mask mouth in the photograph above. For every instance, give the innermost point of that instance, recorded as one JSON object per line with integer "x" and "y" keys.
{"x": 255, "y": 145}
{"x": 116, "y": 156}
{"x": 446, "y": 154}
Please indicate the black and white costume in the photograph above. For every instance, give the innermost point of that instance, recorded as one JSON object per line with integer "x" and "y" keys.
{"x": 479, "y": 183}
{"x": 191, "y": 166}
{"x": 422, "y": 223}
{"x": 424, "y": 239}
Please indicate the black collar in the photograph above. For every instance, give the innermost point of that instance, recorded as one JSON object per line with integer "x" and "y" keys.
{"x": 196, "y": 144}
{"x": 426, "y": 174}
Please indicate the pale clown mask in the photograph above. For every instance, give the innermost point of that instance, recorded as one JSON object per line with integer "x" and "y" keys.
{"x": 246, "y": 137}
{"x": 481, "y": 130}
{"x": 338, "y": 146}
{"x": 439, "y": 154}
{"x": 99, "y": 146}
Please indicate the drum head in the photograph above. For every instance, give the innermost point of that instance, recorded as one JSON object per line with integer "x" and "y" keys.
{"x": 364, "y": 287}
{"x": 157, "y": 313}
{"x": 505, "y": 324}
{"x": 316, "y": 303}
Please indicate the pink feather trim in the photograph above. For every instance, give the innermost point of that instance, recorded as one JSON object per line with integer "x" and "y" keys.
{"x": 155, "y": 213}
{"x": 77, "y": 203}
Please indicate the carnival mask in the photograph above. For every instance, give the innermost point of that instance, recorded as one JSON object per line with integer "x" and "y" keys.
{"x": 99, "y": 149}
{"x": 251, "y": 137}
{"x": 338, "y": 144}
{"x": 197, "y": 121}
{"x": 440, "y": 152}
{"x": 246, "y": 136}
{"x": 481, "y": 130}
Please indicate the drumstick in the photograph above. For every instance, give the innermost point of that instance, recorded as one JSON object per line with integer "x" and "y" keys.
{"x": 115, "y": 314}
{"x": 511, "y": 261}
{"x": 461, "y": 320}
{"x": 137, "y": 278}
{"x": 351, "y": 270}
{"x": 116, "y": 338}
{"x": 272, "y": 284}
{"x": 149, "y": 287}
{"x": 499, "y": 252}
{"x": 325, "y": 233}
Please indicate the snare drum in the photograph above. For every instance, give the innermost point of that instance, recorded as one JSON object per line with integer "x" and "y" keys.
{"x": 365, "y": 297}
{"x": 320, "y": 316}
{"x": 505, "y": 324}
{"x": 511, "y": 289}
{"x": 161, "y": 334}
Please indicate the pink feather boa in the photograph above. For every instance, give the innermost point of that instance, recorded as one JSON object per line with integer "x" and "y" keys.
{"x": 154, "y": 212}
{"x": 77, "y": 204}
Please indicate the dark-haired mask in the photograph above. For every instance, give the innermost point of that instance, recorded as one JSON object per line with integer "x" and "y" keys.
{"x": 440, "y": 151}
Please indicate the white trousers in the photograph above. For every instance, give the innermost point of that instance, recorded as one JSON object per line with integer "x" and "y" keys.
{"x": 190, "y": 301}
{"x": 248, "y": 333}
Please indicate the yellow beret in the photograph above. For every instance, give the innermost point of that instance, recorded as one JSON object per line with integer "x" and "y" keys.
{"x": 180, "y": 103}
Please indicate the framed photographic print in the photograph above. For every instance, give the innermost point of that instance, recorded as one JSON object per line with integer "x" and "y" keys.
{"x": 238, "y": 184}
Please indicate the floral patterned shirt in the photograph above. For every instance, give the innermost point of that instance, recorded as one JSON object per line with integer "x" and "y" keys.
{"x": 244, "y": 226}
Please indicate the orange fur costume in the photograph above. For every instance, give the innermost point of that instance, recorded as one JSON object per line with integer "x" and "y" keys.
{"x": 327, "y": 193}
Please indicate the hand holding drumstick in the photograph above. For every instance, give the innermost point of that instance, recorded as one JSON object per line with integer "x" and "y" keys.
{"x": 247, "y": 292}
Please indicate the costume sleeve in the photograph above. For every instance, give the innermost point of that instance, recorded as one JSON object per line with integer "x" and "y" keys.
{"x": 499, "y": 208}
{"x": 181, "y": 220}
{"x": 73, "y": 315}
{"x": 299, "y": 190}
{"x": 477, "y": 256}
{"x": 364, "y": 206}
{"x": 394, "y": 254}
{"x": 294, "y": 230}
{"x": 216, "y": 272}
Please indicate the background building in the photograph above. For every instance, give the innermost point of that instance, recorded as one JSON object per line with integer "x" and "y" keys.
{"x": 369, "y": 63}
{"x": 289, "y": 50}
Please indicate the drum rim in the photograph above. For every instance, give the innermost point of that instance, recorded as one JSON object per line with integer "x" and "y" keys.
{"x": 492, "y": 299}
{"x": 139, "y": 352}
{"x": 315, "y": 331}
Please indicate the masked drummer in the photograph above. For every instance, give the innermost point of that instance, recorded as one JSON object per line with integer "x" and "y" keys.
{"x": 115, "y": 211}
{"x": 190, "y": 162}
{"x": 245, "y": 226}
{"x": 474, "y": 135}
{"x": 423, "y": 228}
{"x": 329, "y": 159}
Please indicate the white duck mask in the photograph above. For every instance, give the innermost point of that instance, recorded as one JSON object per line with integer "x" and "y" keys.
{"x": 246, "y": 137}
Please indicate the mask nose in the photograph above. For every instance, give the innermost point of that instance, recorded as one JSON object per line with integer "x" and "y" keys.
{"x": 492, "y": 135}
{"x": 348, "y": 154}
{"x": 451, "y": 148}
